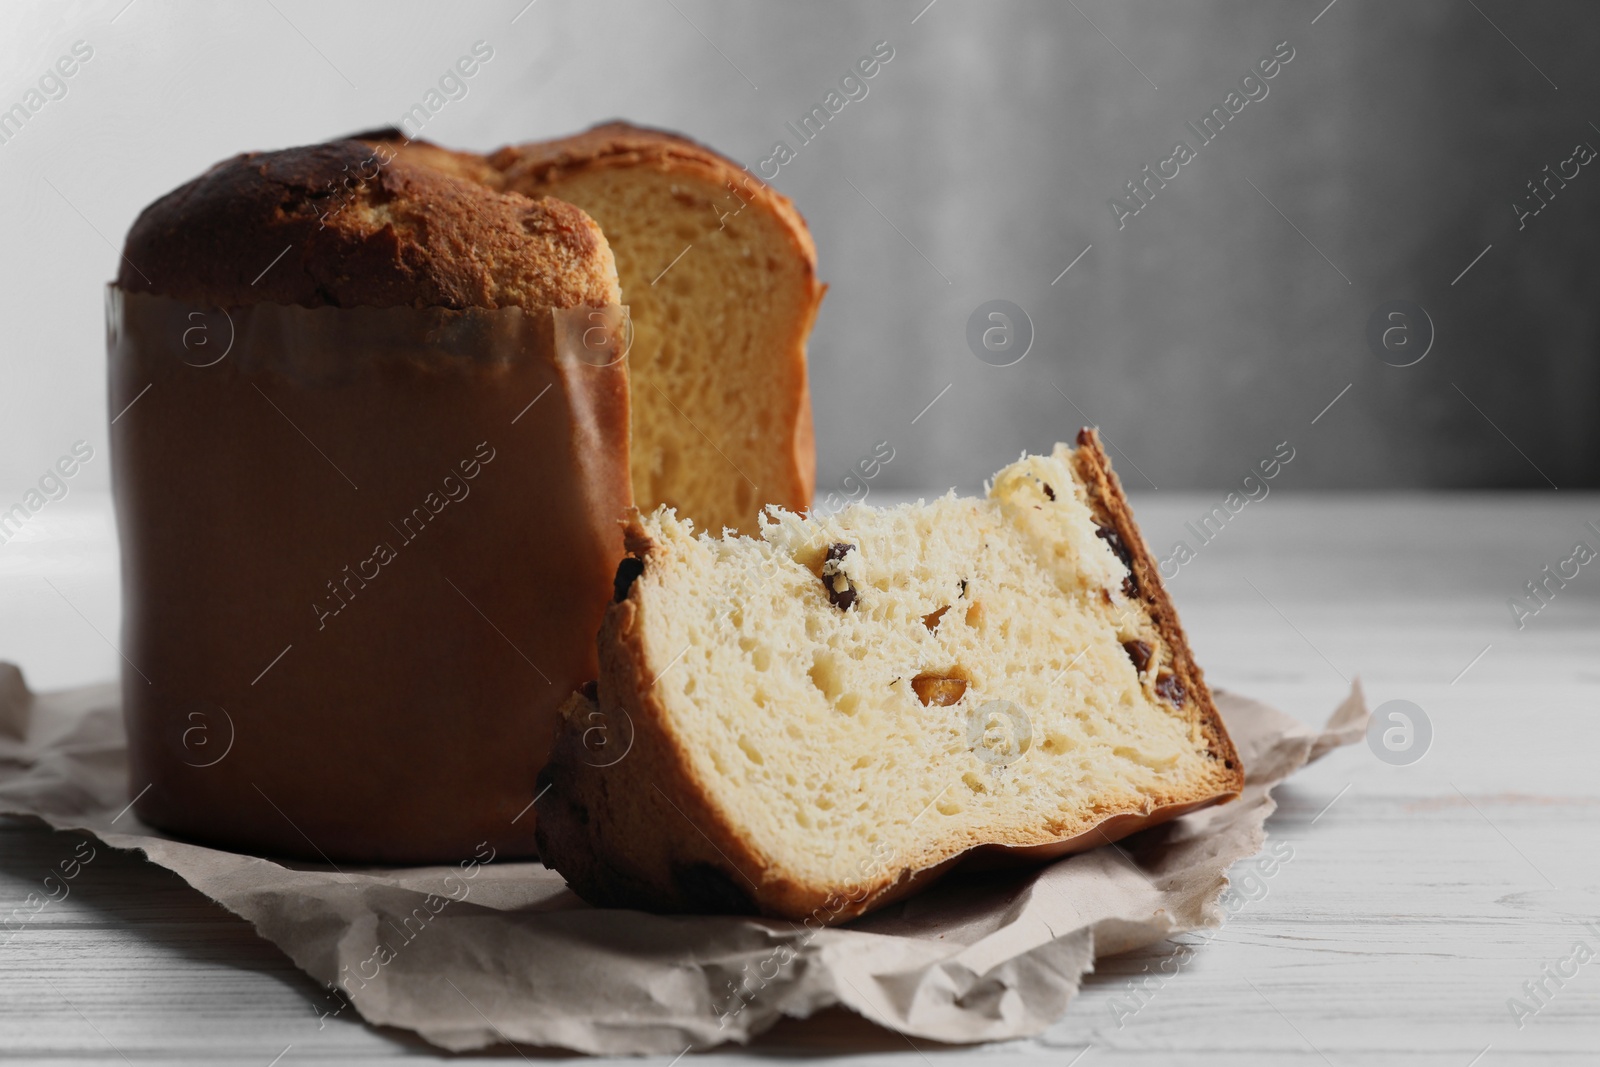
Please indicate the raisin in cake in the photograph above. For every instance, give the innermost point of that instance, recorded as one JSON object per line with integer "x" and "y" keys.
{"x": 820, "y": 720}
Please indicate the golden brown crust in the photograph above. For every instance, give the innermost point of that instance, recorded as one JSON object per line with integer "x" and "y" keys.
{"x": 634, "y": 833}
{"x": 1110, "y": 506}
{"x": 469, "y": 166}
{"x": 355, "y": 223}
{"x": 529, "y": 167}
{"x": 647, "y": 835}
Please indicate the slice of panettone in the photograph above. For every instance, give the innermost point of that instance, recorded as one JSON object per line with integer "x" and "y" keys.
{"x": 720, "y": 277}
{"x": 821, "y": 720}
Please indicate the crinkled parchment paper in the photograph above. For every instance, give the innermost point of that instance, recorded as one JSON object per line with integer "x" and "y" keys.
{"x": 476, "y": 953}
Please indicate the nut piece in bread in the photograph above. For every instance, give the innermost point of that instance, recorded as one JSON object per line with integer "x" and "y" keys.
{"x": 822, "y": 720}
{"x": 719, "y": 273}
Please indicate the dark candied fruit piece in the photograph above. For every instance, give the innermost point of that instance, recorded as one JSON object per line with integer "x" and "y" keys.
{"x": 1049, "y": 492}
{"x": 1130, "y": 584}
{"x": 1112, "y": 538}
{"x": 1169, "y": 687}
{"x": 627, "y": 572}
{"x": 841, "y": 594}
{"x": 1139, "y": 653}
{"x": 931, "y": 620}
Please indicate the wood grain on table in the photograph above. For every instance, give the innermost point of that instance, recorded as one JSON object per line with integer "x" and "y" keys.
{"x": 1414, "y": 903}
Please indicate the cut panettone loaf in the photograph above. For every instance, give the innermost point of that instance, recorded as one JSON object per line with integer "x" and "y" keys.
{"x": 405, "y": 314}
{"x": 719, "y": 273}
{"x": 821, "y": 720}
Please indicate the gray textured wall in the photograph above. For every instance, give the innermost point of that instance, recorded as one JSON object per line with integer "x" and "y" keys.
{"x": 1216, "y": 323}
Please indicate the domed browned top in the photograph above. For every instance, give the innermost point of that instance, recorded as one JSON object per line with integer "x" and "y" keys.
{"x": 354, "y": 223}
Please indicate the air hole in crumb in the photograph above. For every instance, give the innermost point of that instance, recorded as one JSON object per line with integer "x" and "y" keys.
{"x": 667, "y": 467}
{"x": 825, "y": 674}
{"x": 1060, "y": 743}
{"x": 1049, "y": 492}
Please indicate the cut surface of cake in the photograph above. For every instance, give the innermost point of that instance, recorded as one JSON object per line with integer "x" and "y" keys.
{"x": 719, "y": 274}
{"x": 822, "y": 719}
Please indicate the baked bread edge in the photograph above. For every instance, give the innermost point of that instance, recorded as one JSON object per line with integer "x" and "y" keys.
{"x": 1110, "y": 503}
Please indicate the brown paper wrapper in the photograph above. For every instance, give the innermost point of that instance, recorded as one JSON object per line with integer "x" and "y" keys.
{"x": 472, "y": 954}
{"x": 365, "y": 553}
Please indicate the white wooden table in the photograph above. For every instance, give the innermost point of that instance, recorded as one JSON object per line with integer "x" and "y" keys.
{"x": 1417, "y": 902}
